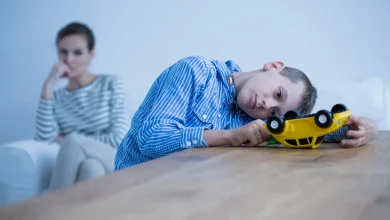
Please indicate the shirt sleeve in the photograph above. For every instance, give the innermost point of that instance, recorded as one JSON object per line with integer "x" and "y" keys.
{"x": 163, "y": 131}
{"x": 337, "y": 136}
{"x": 118, "y": 118}
{"x": 46, "y": 128}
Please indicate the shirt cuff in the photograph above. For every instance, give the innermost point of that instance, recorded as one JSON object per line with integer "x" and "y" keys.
{"x": 193, "y": 137}
{"x": 337, "y": 136}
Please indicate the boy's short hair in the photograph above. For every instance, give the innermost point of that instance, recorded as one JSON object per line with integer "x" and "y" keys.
{"x": 310, "y": 94}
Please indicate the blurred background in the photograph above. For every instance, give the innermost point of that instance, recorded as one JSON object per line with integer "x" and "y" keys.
{"x": 342, "y": 45}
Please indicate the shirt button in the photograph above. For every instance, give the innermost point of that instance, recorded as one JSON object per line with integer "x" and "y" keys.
{"x": 188, "y": 144}
{"x": 219, "y": 115}
{"x": 194, "y": 142}
{"x": 204, "y": 116}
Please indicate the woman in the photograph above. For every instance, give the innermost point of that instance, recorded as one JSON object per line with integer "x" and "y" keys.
{"x": 87, "y": 117}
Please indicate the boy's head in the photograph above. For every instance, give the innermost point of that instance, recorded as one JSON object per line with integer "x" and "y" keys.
{"x": 275, "y": 89}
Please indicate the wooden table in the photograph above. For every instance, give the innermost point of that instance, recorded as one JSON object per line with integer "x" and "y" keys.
{"x": 232, "y": 183}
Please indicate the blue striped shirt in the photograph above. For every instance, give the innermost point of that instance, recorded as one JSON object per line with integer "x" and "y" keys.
{"x": 188, "y": 97}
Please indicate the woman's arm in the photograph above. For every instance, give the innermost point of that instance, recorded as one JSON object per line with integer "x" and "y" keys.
{"x": 118, "y": 118}
{"x": 46, "y": 128}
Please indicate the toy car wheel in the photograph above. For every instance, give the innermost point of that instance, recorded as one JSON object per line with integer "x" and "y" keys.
{"x": 323, "y": 119}
{"x": 275, "y": 124}
{"x": 339, "y": 108}
{"x": 292, "y": 114}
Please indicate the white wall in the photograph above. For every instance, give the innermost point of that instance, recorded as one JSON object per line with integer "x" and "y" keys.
{"x": 138, "y": 39}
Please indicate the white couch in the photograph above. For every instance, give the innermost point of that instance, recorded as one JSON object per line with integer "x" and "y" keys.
{"x": 25, "y": 165}
{"x": 25, "y": 168}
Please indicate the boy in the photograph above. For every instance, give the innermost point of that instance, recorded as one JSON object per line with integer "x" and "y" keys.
{"x": 199, "y": 102}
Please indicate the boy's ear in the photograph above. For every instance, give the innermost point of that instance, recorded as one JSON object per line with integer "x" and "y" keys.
{"x": 278, "y": 65}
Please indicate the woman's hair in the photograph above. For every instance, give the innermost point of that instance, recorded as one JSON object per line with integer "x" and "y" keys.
{"x": 78, "y": 29}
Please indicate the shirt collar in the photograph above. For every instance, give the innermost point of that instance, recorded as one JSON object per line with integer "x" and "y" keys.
{"x": 226, "y": 70}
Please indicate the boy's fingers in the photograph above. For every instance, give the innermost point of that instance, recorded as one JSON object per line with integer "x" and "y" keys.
{"x": 350, "y": 142}
{"x": 356, "y": 133}
{"x": 265, "y": 135}
{"x": 252, "y": 141}
{"x": 356, "y": 120}
{"x": 258, "y": 136}
{"x": 348, "y": 123}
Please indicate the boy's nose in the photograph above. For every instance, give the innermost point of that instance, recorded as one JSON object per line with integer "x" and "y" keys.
{"x": 267, "y": 104}
{"x": 264, "y": 104}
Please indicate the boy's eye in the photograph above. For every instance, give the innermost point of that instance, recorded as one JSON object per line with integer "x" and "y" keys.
{"x": 279, "y": 94}
{"x": 273, "y": 112}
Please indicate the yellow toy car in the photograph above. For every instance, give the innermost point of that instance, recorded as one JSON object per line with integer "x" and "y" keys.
{"x": 306, "y": 131}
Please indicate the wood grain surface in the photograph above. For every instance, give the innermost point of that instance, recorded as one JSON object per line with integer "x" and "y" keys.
{"x": 232, "y": 183}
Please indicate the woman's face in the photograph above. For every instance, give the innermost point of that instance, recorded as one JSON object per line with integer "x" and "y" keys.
{"x": 73, "y": 51}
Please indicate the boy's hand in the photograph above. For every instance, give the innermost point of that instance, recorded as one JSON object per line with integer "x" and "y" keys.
{"x": 251, "y": 134}
{"x": 364, "y": 131}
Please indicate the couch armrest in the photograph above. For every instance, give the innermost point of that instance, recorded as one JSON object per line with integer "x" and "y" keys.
{"x": 25, "y": 168}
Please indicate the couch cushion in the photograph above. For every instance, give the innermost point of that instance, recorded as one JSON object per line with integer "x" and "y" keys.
{"x": 25, "y": 168}
{"x": 18, "y": 179}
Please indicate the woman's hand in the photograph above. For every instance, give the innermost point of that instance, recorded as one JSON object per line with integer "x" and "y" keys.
{"x": 60, "y": 137}
{"x": 58, "y": 71}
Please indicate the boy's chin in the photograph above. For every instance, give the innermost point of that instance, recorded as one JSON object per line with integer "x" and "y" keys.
{"x": 248, "y": 112}
{"x": 255, "y": 115}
